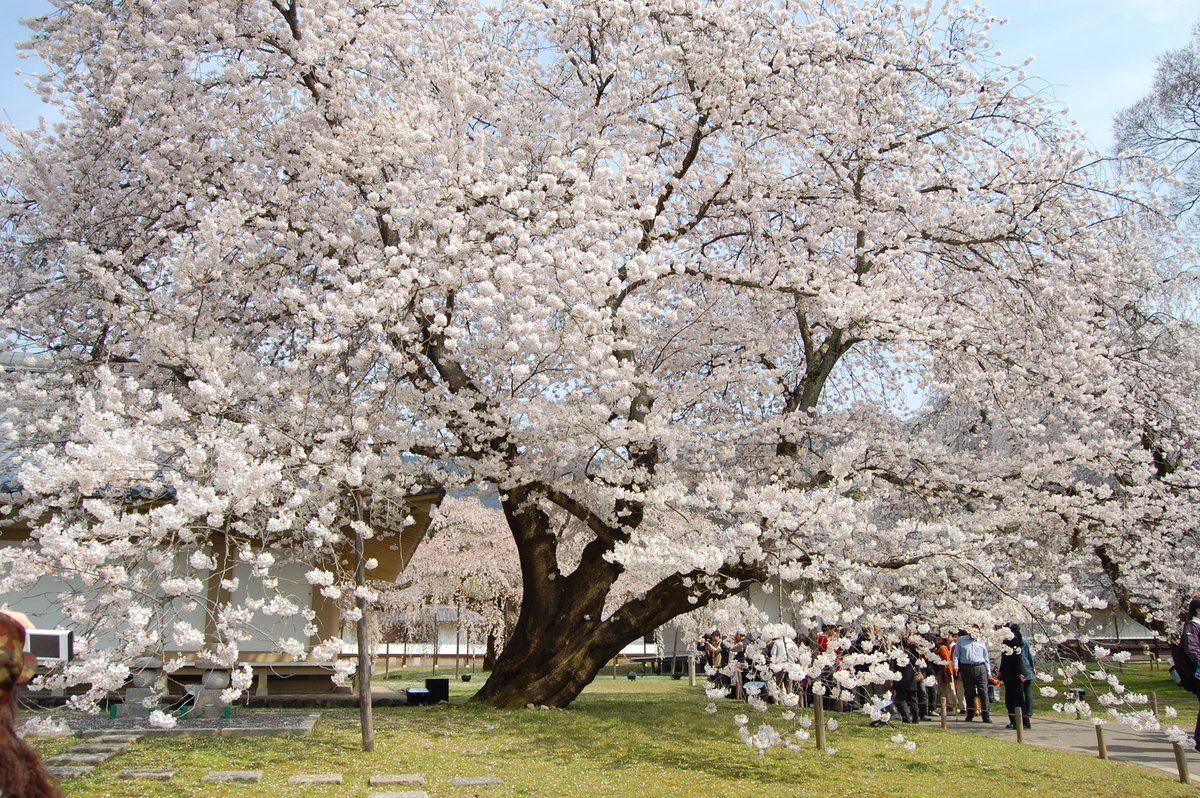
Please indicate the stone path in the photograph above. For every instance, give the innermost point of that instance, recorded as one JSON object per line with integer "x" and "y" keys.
{"x": 80, "y": 759}
{"x": 95, "y": 750}
{"x": 1150, "y": 749}
{"x": 75, "y": 763}
{"x": 243, "y": 724}
{"x": 234, "y": 775}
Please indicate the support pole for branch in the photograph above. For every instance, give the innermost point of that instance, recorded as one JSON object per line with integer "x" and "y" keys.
{"x": 1154, "y": 703}
{"x": 1101, "y": 747}
{"x": 943, "y": 714}
{"x": 819, "y": 722}
{"x": 1181, "y": 764}
{"x": 364, "y": 644}
{"x": 1020, "y": 724}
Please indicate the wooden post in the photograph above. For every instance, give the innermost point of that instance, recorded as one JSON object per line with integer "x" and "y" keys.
{"x": 364, "y": 643}
{"x": 458, "y": 644}
{"x": 691, "y": 669}
{"x": 1181, "y": 764}
{"x": 614, "y": 667}
{"x": 1021, "y": 726}
{"x": 819, "y": 722}
{"x": 943, "y": 714}
{"x": 675, "y": 652}
{"x": 1154, "y": 703}
{"x": 1100, "y": 746}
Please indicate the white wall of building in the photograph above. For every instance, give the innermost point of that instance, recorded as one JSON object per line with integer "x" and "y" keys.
{"x": 43, "y": 603}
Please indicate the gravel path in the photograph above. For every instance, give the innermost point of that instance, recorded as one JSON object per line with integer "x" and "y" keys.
{"x": 300, "y": 723}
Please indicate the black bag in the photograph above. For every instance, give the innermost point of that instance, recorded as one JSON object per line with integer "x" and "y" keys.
{"x": 1183, "y": 670}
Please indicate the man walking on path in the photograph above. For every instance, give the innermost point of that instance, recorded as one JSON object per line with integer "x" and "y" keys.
{"x": 972, "y": 660}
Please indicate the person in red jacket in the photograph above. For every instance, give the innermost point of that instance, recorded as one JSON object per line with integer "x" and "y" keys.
{"x": 945, "y": 672}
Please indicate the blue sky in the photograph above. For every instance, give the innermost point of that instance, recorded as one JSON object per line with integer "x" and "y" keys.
{"x": 1096, "y": 56}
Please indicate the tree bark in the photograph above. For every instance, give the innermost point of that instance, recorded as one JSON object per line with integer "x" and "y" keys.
{"x": 489, "y": 655}
{"x": 562, "y": 639}
{"x": 569, "y": 663}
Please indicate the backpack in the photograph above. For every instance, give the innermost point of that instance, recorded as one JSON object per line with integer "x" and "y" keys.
{"x": 1183, "y": 670}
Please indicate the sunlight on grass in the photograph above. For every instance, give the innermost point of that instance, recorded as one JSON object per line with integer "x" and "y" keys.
{"x": 650, "y": 737}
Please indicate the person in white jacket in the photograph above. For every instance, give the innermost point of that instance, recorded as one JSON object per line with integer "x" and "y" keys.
{"x": 782, "y": 652}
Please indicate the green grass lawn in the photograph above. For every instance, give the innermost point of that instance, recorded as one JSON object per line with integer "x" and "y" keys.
{"x": 649, "y": 738}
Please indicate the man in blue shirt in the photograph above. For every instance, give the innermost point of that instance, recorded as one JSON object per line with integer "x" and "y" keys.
{"x": 975, "y": 664}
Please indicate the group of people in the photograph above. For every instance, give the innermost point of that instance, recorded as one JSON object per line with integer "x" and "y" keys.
{"x": 925, "y": 669}
{"x": 922, "y": 670}
{"x": 957, "y": 669}
{"x": 969, "y": 675}
{"x": 752, "y": 660}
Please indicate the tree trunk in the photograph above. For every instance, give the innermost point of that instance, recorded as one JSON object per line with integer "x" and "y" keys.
{"x": 489, "y": 655}
{"x": 568, "y": 664}
{"x": 562, "y": 639}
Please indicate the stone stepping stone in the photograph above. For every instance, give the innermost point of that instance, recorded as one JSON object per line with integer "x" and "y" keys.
{"x": 476, "y": 781}
{"x": 78, "y": 759}
{"x": 126, "y": 739}
{"x": 316, "y": 778}
{"x": 233, "y": 775}
{"x": 99, "y": 748}
{"x": 67, "y": 772}
{"x": 415, "y": 779}
{"x": 150, "y": 775}
{"x": 405, "y": 794}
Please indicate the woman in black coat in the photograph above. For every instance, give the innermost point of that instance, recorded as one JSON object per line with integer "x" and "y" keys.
{"x": 1016, "y": 671}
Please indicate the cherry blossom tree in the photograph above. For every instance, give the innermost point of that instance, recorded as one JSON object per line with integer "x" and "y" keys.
{"x": 809, "y": 290}
{"x": 467, "y": 561}
{"x": 1159, "y": 336}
